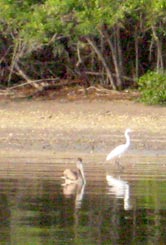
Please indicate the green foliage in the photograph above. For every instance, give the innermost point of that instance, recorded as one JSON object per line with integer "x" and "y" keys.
{"x": 36, "y": 25}
{"x": 37, "y": 21}
{"x": 152, "y": 86}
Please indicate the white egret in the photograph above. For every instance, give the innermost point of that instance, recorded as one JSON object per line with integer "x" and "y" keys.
{"x": 121, "y": 149}
{"x": 76, "y": 176}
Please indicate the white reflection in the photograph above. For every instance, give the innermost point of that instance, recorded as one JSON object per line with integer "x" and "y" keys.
{"x": 120, "y": 189}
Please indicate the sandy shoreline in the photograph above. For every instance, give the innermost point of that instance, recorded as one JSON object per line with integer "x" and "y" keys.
{"x": 85, "y": 126}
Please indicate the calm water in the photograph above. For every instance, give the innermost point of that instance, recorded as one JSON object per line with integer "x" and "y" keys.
{"x": 114, "y": 207}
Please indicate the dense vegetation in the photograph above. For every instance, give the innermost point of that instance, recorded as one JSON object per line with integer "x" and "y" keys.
{"x": 108, "y": 42}
{"x": 153, "y": 88}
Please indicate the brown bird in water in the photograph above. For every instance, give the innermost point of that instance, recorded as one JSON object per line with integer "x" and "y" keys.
{"x": 77, "y": 176}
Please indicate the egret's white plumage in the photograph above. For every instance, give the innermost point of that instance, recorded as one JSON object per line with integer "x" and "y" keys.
{"x": 71, "y": 176}
{"x": 121, "y": 149}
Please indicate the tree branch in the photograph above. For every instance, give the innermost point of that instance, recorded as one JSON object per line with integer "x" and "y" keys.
{"x": 109, "y": 74}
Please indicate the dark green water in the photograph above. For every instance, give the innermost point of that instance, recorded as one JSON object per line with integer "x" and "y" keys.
{"x": 114, "y": 207}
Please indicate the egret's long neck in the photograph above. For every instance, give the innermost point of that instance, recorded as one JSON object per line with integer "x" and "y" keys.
{"x": 127, "y": 139}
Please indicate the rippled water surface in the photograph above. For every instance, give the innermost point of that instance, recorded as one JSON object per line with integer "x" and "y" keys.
{"x": 116, "y": 206}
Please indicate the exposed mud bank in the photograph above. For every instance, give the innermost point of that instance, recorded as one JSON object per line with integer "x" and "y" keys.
{"x": 80, "y": 126}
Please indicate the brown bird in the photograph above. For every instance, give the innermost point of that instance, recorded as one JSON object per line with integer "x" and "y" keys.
{"x": 76, "y": 176}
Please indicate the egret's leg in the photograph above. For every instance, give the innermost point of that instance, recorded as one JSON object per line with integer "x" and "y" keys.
{"x": 118, "y": 164}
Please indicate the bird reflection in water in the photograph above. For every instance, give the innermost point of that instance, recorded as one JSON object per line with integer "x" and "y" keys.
{"x": 75, "y": 182}
{"x": 76, "y": 190}
{"x": 120, "y": 189}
